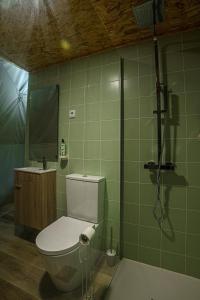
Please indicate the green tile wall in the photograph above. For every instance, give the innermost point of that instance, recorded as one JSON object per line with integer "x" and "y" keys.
{"x": 91, "y": 87}
{"x": 177, "y": 246}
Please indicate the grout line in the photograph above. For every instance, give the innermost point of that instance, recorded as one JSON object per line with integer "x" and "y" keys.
{"x": 186, "y": 121}
{"x": 139, "y": 169}
{"x": 100, "y": 112}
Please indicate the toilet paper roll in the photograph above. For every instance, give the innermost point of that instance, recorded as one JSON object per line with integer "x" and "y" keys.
{"x": 86, "y": 235}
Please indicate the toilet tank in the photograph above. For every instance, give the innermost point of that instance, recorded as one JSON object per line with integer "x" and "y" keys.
{"x": 85, "y": 197}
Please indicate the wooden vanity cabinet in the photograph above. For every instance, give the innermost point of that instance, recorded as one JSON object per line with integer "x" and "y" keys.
{"x": 35, "y": 199}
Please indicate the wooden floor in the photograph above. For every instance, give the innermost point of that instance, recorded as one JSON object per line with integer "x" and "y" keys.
{"x": 22, "y": 273}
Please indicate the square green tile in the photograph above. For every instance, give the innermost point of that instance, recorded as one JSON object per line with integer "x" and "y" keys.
{"x": 78, "y": 79}
{"x": 94, "y": 60}
{"x": 146, "y": 65}
{"x": 193, "y": 245}
{"x": 193, "y": 126}
{"x": 146, "y": 216}
{"x": 92, "y": 112}
{"x": 175, "y": 219}
{"x": 147, "y": 106}
{"x": 192, "y": 56}
{"x": 193, "y": 198}
{"x": 131, "y": 68}
{"x": 147, "y": 194}
{"x": 173, "y": 262}
{"x": 131, "y": 192}
{"x": 149, "y": 256}
{"x": 76, "y": 166}
{"x": 176, "y": 82}
{"x": 111, "y": 72}
{"x": 61, "y": 183}
{"x": 146, "y": 150}
{"x": 61, "y": 202}
{"x": 110, "y": 150}
{"x": 114, "y": 224}
{"x": 131, "y": 129}
{"x": 193, "y": 221}
{"x": 91, "y": 167}
{"x": 147, "y": 128}
{"x": 131, "y": 150}
{"x": 175, "y": 151}
{"x": 131, "y": 213}
{"x": 130, "y": 251}
{"x": 171, "y": 43}
{"x": 76, "y": 149}
{"x": 112, "y": 210}
{"x": 63, "y": 97}
{"x": 192, "y": 103}
{"x": 76, "y": 130}
{"x": 193, "y": 267}
{"x": 175, "y": 196}
{"x": 150, "y": 237}
{"x": 174, "y": 62}
{"x": 92, "y": 150}
{"x": 93, "y": 75}
{"x": 110, "y": 130}
{"x": 92, "y": 130}
{"x": 92, "y": 93}
{"x": 131, "y": 171}
{"x": 131, "y": 88}
{"x": 76, "y": 96}
{"x": 130, "y": 233}
{"x": 110, "y": 110}
{"x": 192, "y": 80}
{"x": 193, "y": 174}
{"x": 110, "y": 169}
{"x": 173, "y": 242}
{"x": 113, "y": 190}
{"x": 147, "y": 85}
{"x": 131, "y": 108}
{"x": 193, "y": 151}
{"x": 63, "y": 113}
{"x": 110, "y": 91}
{"x": 78, "y": 64}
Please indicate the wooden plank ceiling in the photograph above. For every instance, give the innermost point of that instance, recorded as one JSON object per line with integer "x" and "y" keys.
{"x": 38, "y": 33}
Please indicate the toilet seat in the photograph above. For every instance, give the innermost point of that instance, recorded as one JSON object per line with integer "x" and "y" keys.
{"x": 62, "y": 236}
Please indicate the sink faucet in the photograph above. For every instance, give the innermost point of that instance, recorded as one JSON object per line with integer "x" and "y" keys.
{"x": 44, "y": 163}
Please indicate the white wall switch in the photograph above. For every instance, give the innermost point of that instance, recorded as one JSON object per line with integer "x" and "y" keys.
{"x": 72, "y": 113}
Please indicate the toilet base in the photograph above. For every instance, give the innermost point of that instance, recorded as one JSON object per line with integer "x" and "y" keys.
{"x": 66, "y": 270}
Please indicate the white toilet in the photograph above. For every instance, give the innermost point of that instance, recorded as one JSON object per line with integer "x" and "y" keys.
{"x": 59, "y": 242}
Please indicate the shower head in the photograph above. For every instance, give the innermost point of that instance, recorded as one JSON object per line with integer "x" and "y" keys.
{"x": 146, "y": 12}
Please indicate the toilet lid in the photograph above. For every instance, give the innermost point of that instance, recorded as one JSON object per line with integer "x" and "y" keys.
{"x": 61, "y": 236}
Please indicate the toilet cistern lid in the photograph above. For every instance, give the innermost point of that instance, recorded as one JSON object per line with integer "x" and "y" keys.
{"x": 61, "y": 236}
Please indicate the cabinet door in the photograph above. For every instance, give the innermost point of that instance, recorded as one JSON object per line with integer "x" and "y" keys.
{"x": 22, "y": 187}
{"x": 28, "y": 202}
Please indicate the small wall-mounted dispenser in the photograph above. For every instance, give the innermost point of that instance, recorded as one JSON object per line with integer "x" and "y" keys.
{"x": 63, "y": 152}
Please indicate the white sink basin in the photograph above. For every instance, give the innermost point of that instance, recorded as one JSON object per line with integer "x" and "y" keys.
{"x": 34, "y": 170}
